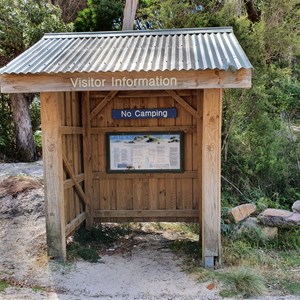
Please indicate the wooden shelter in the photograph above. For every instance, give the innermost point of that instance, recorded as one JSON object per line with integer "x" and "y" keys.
{"x": 96, "y": 86}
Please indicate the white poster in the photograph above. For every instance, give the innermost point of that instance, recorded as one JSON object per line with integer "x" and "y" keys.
{"x": 145, "y": 152}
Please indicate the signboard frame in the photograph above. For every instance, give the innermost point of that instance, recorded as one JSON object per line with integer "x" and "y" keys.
{"x": 169, "y": 144}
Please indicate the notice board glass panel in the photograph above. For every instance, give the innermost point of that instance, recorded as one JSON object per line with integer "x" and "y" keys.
{"x": 144, "y": 152}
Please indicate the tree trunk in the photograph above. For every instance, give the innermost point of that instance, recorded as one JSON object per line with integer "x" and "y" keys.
{"x": 26, "y": 150}
{"x": 253, "y": 13}
{"x": 129, "y": 14}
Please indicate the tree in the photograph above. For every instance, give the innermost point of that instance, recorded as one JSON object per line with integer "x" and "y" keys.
{"x": 100, "y": 15}
{"x": 260, "y": 150}
{"x": 23, "y": 23}
{"x": 129, "y": 14}
{"x": 69, "y": 8}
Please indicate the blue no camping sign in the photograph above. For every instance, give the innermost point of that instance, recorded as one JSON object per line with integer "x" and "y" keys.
{"x": 152, "y": 113}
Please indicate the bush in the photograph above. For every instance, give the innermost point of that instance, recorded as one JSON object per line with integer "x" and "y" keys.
{"x": 7, "y": 138}
{"x": 35, "y": 114}
{"x": 289, "y": 239}
{"x": 245, "y": 281}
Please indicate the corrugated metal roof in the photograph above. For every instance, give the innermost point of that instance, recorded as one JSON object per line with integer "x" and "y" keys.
{"x": 157, "y": 50}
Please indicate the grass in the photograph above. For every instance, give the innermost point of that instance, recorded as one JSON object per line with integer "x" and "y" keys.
{"x": 3, "y": 285}
{"x": 244, "y": 281}
{"x": 292, "y": 288}
{"x": 251, "y": 262}
{"x": 85, "y": 252}
{"x": 38, "y": 289}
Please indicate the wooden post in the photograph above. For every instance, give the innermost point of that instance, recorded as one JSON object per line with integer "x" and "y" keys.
{"x": 53, "y": 174}
{"x": 199, "y": 156}
{"x": 211, "y": 176}
{"x": 87, "y": 159}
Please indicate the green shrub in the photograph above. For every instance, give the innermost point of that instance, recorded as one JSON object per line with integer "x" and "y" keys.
{"x": 291, "y": 287}
{"x": 85, "y": 252}
{"x": 289, "y": 239}
{"x": 87, "y": 243}
{"x": 7, "y": 137}
{"x": 35, "y": 114}
{"x": 3, "y": 285}
{"x": 245, "y": 281}
{"x": 104, "y": 235}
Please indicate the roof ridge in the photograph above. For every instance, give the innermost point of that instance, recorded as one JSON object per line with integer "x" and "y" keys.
{"x": 179, "y": 31}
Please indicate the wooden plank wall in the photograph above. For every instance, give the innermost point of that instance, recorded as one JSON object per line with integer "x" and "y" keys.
{"x": 149, "y": 196}
{"x": 72, "y": 148}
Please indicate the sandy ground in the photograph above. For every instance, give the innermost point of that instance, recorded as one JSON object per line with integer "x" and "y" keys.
{"x": 148, "y": 270}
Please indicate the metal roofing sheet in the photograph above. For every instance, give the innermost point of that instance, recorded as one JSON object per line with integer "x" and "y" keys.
{"x": 157, "y": 50}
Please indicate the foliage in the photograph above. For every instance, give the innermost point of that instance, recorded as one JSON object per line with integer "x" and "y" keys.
{"x": 192, "y": 248}
{"x": 289, "y": 239}
{"x": 87, "y": 243}
{"x": 100, "y": 15}
{"x": 260, "y": 150}
{"x": 7, "y": 141}
{"x": 3, "y": 285}
{"x": 292, "y": 287}
{"x": 105, "y": 235}
{"x": 85, "y": 252}
{"x": 23, "y": 23}
{"x": 35, "y": 114}
{"x": 245, "y": 281}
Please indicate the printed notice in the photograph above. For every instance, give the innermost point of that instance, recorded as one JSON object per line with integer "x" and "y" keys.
{"x": 142, "y": 152}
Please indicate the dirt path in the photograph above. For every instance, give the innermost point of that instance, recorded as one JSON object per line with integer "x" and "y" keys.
{"x": 148, "y": 270}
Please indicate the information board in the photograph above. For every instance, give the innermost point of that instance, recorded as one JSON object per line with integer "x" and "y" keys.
{"x": 145, "y": 152}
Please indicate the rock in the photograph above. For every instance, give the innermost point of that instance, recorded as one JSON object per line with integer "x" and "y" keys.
{"x": 270, "y": 232}
{"x": 249, "y": 223}
{"x": 253, "y": 224}
{"x": 296, "y": 207}
{"x": 279, "y": 218}
{"x": 241, "y": 212}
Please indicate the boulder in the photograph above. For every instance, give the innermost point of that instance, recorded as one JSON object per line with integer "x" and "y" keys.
{"x": 253, "y": 224}
{"x": 296, "y": 207}
{"x": 242, "y": 212}
{"x": 249, "y": 223}
{"x": 279, "y": 218}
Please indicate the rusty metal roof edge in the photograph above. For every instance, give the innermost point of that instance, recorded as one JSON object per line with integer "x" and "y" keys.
{"x": 227, "y": 29}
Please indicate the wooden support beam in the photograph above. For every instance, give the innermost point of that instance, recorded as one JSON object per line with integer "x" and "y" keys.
{"x": 71, "y": 130}
{"x": 102, "y": 104}
{"x": 87, "y": 158}
{"x": 68, "y": 183}
{"x": 188, "y": 213}
{"x": 78, "y": 187}
{"x": 184, "y": 175}
{"x": 211, "y": 176}
{"x": 199, "y": 155}
{"x": 75, "y": 223}
{"x": 198, "y": 79}
{"x": 53, "y": 174}
{"x": 185, "y": 129}
{"x": 183, "y": 103}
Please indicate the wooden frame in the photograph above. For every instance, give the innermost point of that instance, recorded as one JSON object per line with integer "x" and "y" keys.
{"x": 62, "y": 174}
{"x": 203, "y": 79}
